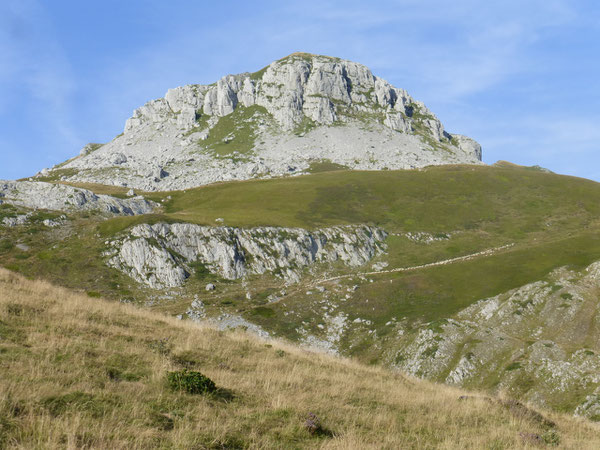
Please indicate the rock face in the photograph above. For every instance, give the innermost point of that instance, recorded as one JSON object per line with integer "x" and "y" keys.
{"x": 164, "y": 255}
{"x": 539, "y": 341}
{"x": 61, "y": 197}
{"x": 20, "y": 219}
{"x": 299, "y": 110}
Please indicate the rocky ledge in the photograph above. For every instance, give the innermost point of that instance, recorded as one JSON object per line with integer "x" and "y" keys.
{"x": 164, "y": 255}
{"x": 61, "y": 197}
{"x": 538, "y": 342}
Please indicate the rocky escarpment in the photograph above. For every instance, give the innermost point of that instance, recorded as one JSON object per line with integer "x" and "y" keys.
{"x": 61, "y": 197}
{"x": 539, "y": 342}
{"x": 297, "y": 111}
{"x": 164, "y": 255}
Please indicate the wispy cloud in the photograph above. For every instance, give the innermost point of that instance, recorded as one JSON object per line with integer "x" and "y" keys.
{"x": 489, "y": 70}
{"x": 36, "y": 82}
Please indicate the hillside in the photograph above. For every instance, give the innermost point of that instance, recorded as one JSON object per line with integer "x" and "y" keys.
{"x": 296, "y": 115}
{"x": 419, "y": 270}
{"x": 79, "y": 372}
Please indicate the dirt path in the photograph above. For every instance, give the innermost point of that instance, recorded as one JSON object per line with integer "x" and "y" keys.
{"x": 487, "y": 252}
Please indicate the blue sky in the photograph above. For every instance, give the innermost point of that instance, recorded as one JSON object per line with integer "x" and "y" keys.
{"x": 521, "y": 77}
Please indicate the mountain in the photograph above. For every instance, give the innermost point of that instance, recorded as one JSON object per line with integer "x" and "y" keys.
{"x": 81, "y": 372}
{"x": 299, "y": 114}
{"x": 473, "y": 275}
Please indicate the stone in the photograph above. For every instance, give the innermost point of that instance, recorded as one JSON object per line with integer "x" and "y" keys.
{"x": 158, "y": 173}
{"x": 467, "y": 145}
{"x": 11, "y": 222}
{"x": 62, "y": 197}
{"x": 295, "y": 102}
{"x": 210, "y": 287}
{"x": 146, "y": 252}
{"x": 118, "y": 158}
{"x": 50, "y": 223}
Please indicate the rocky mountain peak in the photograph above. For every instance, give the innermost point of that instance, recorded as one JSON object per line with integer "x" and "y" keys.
{"x": 299, "y": 110}
{"x": 301, "y": 87}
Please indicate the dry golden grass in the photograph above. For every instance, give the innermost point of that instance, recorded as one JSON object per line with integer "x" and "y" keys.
{"x": 77, "y": 372}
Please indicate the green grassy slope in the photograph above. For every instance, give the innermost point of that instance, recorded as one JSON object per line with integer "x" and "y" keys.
{"x": 507, "y": 201}
{"x": 551, "y": 219}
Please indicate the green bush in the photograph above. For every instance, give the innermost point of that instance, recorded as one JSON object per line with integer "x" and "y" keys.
{"x": 190, "y": 381}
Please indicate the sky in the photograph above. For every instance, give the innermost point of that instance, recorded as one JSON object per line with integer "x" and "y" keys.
{"x": 519, "y": 76}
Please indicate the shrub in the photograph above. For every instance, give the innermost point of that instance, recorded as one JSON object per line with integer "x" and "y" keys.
{"x": 190, "y": 381}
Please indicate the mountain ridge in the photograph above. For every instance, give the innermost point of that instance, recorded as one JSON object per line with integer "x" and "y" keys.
{"x": 300, "y": 110}
{"x": 393, "y": 267}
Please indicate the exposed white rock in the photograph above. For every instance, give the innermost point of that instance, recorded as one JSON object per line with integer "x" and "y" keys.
{"x": 427, "y": 238}
{"x": 467, "y": 145}
{"x": 53, "y": 223}
{"x": 336, "y": 326}
{"x": 86, "y": 150}
{"x": 20, "y": 219}
{"x": 149, "y": 264}
{"x": 306, "y": 108}
{"x": 118, "y": 158}
{"x": 590, "y": 406}
{"x": 463, "y": 370}
{"x": 148, "y": 252}
{"x": 231, "y": 322}
{"x": 313, "y": 343}
{"x": 61, "y": 197}
{"x": 526, "y": 333}
{"x": 196, "y": 311}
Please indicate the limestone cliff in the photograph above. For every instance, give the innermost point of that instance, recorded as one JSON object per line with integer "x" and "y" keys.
{"x": 164, "y": 255}
{"x": 299, "y": 110}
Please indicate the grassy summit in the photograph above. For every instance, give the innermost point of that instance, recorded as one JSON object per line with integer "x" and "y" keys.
{"x": 85, "y": 373}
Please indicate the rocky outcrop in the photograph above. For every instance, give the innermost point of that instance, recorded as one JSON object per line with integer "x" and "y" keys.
{"x": 539, "y": 342}
{"x": 467, "y": 145}
{"x": 164, "y": 255}
{"x": 298, "y": 110}
{"x": 61, "y": 197}
{"x": 20, "y": 219}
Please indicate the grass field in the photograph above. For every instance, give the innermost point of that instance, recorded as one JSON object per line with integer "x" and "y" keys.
{"x": 508, "y": 201}
{"x": 80, "y": 372}
{"x": 552, "y": 221}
